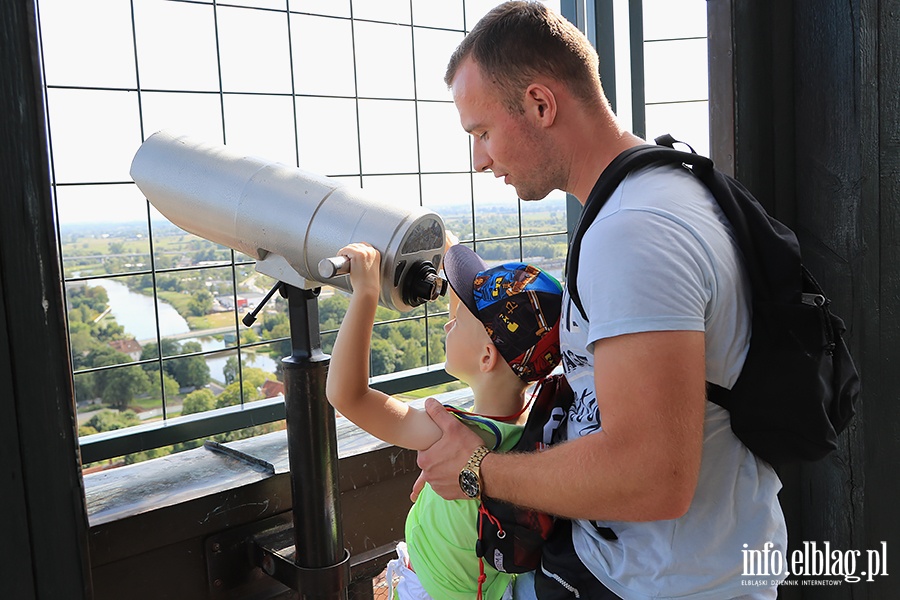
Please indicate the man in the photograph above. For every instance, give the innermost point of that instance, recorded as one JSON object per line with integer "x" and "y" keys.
{"x": 665, "y": 501}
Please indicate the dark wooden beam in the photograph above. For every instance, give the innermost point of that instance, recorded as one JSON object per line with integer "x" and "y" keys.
{"x": 805, "y": 106}
{"x": 42, "y": 508}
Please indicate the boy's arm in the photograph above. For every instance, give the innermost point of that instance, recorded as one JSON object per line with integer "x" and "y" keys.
{"x": 347, "y": 386}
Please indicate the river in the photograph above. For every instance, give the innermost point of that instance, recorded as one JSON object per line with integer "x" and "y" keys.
{"x": 134, "y": 312}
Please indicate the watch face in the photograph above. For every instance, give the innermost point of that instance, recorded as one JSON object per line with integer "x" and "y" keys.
{"x": 468, "y": 481}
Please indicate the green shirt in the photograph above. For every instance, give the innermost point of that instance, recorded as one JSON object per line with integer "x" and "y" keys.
{"x": 441, "y": 534}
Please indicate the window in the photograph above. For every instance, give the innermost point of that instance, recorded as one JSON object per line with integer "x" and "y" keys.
{"x": 673, "y": 94}
{"x": 154, "y": 312}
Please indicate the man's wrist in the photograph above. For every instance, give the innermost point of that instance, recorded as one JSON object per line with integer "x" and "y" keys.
{"x": 489, "y": 459}
{"x": 470, "y": 481}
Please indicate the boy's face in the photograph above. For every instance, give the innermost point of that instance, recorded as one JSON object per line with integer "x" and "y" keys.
{"x": 465, "y": 339}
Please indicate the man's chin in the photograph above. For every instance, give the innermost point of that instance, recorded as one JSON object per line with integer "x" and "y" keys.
{"x": 531, "y": 195}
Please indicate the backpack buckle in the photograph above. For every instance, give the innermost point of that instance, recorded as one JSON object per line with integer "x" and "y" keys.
{"x": 813, "y": 299}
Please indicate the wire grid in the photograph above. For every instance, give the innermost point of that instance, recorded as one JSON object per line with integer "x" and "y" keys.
{"x": 224, "y": 95}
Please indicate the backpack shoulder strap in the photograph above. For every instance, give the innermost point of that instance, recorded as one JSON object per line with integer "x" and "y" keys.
{"x": 761, "y": 238}
{"x": 626, "y": 162}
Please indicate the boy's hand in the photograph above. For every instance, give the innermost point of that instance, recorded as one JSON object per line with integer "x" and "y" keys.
{"x": 365, "y": 268}
{"x": 450, "y": 239}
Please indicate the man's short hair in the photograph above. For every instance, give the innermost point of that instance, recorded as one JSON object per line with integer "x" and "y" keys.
{"x": 517, "y": 41}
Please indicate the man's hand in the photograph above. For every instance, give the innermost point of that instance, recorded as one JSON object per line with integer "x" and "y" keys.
{"x": 443, "y": 461}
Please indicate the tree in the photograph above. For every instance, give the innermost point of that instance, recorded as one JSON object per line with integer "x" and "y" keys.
{"x": 412, "y": 353}
{"x": 201, "y": 304}
{"x": 249, "y": 336}
{"x": 120, "y": 386}
{"x": 191, "y": 371}
{"x": 275, "y": 327}
{"x": 81, "y": 343}
{"x": 107, "y": 331}
{"x": 332, "y": 310}
{"x": 385, "y": 314}
{"x": 169, "y": 283}
{"x": 151, "y": 350}
{"x": 385, "y": 357}
{"x": 84, "y": 387}
{"x": 231, "y": 395}
{"x": 146, "y": 281}
{"x": 94, "y": 298}
{"x": 198, "y": 401}
{"x": 137, "y": 457}
{"x": 256, "y": 376}
{"x": 436, "y": 352}
{"x": 113, "y": 381}
{"x": 108, "y": 420}
{"x": 170, "y": 386}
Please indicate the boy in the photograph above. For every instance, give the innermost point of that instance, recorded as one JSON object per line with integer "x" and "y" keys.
{"x": 503, "y": 334}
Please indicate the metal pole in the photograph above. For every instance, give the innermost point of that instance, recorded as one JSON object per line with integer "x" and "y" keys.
{"x": 636, "y": 41}
{"x": 312, "y": 444}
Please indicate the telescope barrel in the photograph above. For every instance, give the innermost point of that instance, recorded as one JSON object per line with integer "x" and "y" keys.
{"x": 287, "y": 219}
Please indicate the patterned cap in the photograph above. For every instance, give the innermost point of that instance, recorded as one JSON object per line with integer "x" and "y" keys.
{"x": 519, "y": 305}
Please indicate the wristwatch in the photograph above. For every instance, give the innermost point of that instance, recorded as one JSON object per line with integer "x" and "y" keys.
{"x": 470, "y": 477}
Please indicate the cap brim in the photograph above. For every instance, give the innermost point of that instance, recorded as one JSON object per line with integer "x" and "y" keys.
{"x": 461, "y": 266}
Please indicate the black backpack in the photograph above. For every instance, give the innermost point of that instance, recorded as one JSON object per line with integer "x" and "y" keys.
{"x": 798, "y": 386}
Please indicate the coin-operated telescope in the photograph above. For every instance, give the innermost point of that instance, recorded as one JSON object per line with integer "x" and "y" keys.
{"x": 291, "y": 221}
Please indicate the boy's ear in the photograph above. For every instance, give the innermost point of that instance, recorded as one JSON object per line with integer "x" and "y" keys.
{"x": 490, "y": 358}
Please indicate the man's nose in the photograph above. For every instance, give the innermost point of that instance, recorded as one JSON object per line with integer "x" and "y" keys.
{"x": 480, "y": 158}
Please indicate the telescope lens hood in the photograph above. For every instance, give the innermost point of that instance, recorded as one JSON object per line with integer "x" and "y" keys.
{"x": 422, "y": 284}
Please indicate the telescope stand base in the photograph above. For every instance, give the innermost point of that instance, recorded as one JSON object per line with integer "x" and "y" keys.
{"x": 242, "y": 562}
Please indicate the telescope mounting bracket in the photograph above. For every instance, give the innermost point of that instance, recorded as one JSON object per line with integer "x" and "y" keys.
{"x": 277, "y": 267}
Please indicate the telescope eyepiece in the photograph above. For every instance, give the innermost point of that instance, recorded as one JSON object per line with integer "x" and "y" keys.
{"x": 422, "y": 284}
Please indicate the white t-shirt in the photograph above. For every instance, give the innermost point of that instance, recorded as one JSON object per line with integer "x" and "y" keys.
{"x": 660, "y": 257}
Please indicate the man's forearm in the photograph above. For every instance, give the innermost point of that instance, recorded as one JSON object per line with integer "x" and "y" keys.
{"x": 644, "y": 464}
{"x": 584, "y": 479}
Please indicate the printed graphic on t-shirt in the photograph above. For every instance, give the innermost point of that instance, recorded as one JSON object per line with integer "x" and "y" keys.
{"x": 578, "y": 365}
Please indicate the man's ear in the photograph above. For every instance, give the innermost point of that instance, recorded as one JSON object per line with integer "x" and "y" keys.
{"x": 540, "y": 104}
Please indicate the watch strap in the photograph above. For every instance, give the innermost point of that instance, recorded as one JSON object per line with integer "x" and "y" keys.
{"x": 473, "y": 467}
